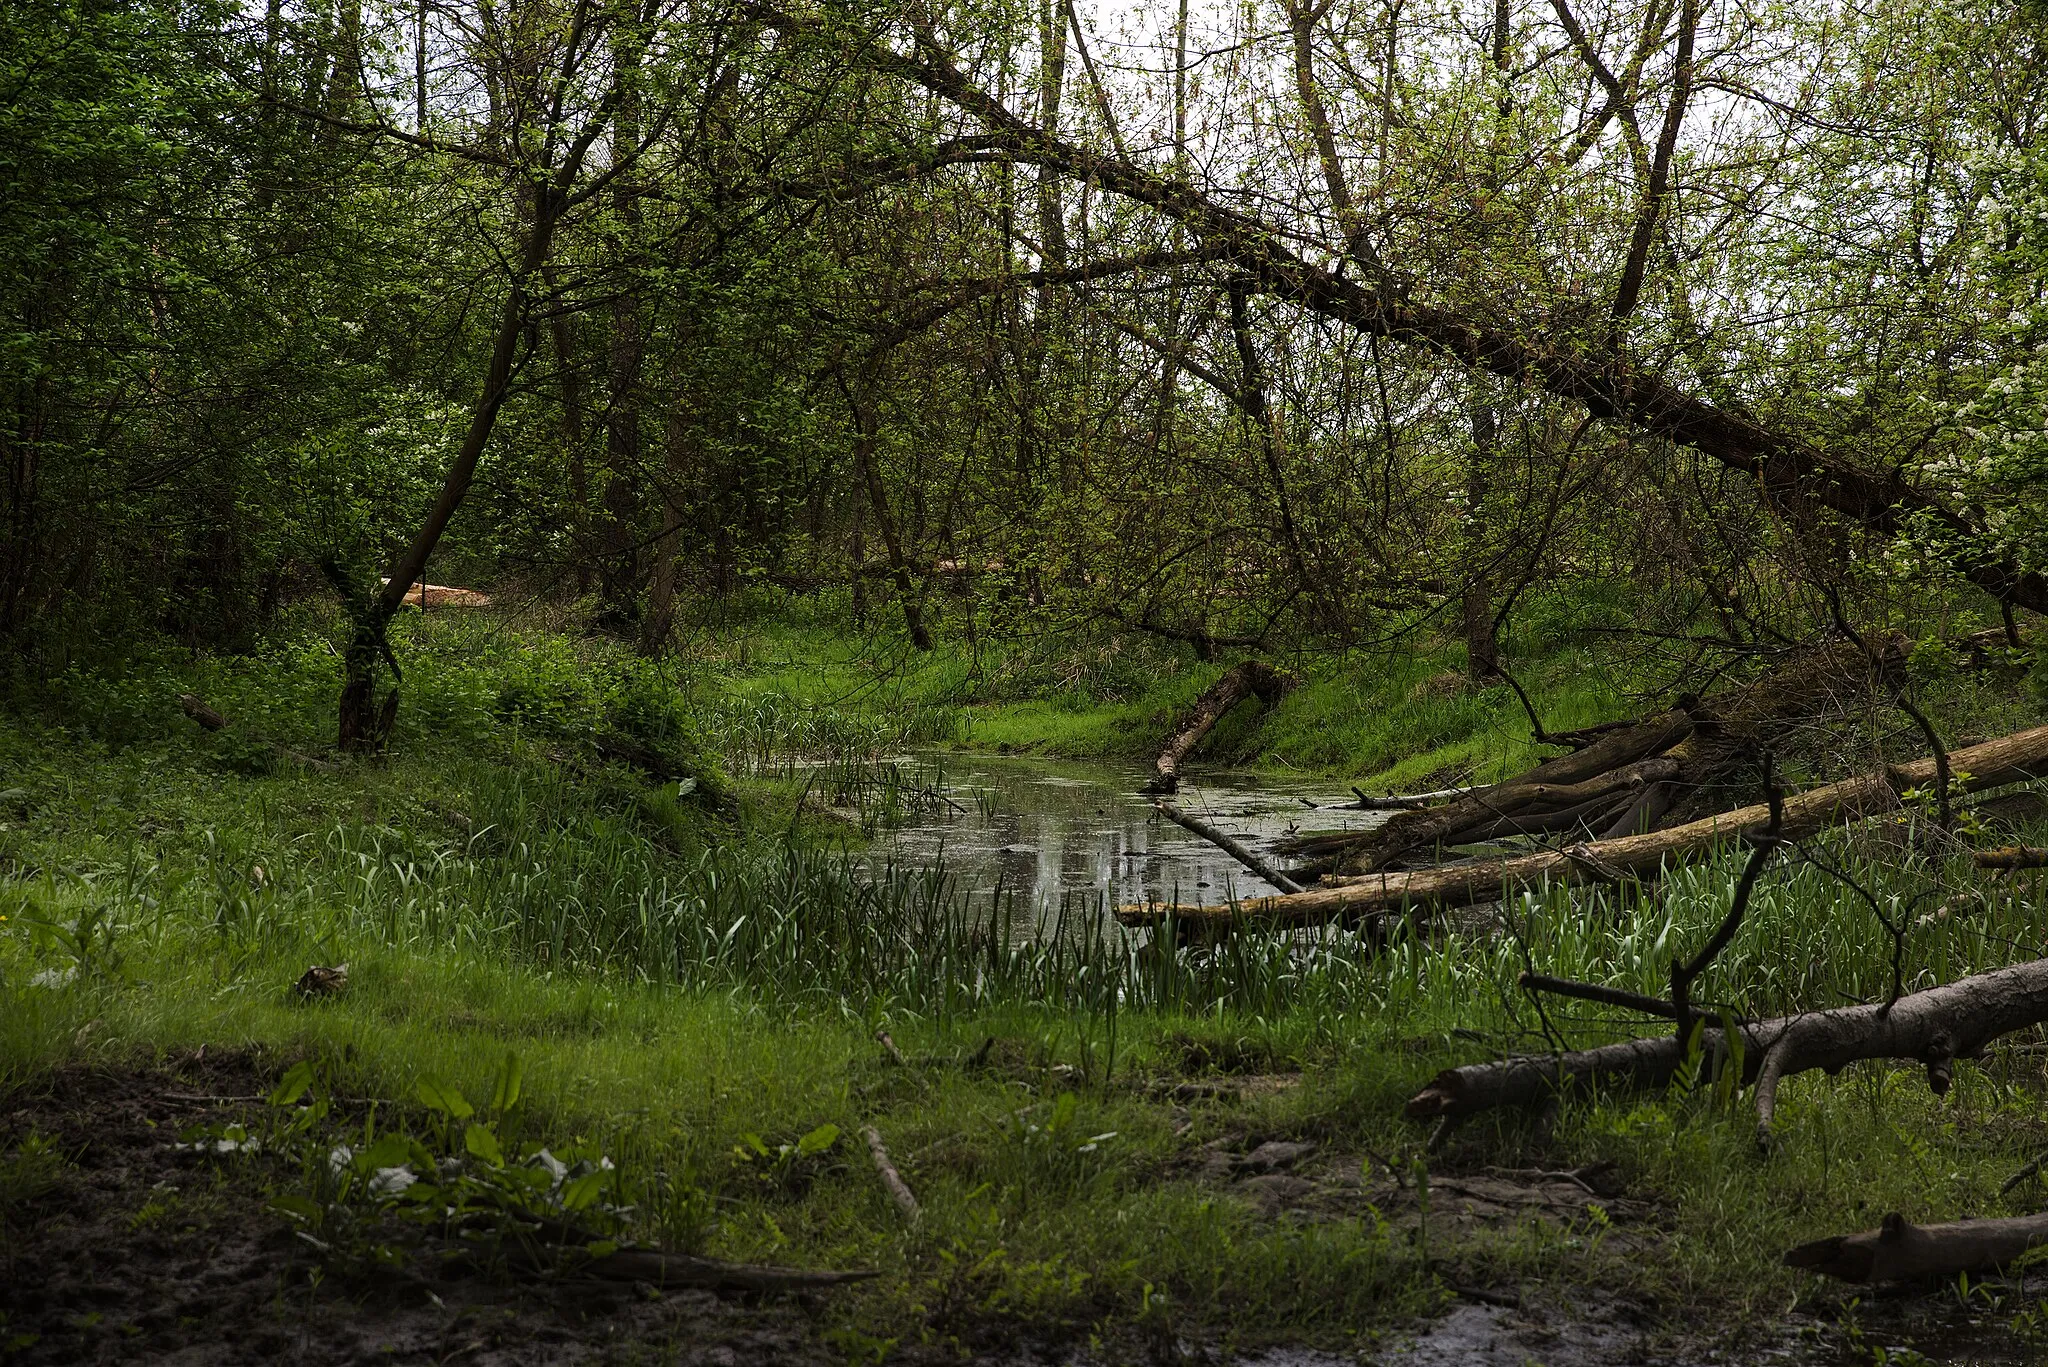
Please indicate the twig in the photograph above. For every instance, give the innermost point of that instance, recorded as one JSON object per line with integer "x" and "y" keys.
{"x": 2030, "y": 1171}
{"x": 1407, "y": 802}
{"x": 1685, "y": 972}
{"x": 1228, "y": 846}
{"x": 899, "y": 1191}
{"x": 1594, "y": 992}
{"x": 889, "y": 1046}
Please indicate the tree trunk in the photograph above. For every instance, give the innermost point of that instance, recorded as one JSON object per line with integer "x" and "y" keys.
{"x": 359, "y": 725}
{"x": 1482, "y": 650}
{"x": 1251, "y": 679}
{"x": 865, "y": 440}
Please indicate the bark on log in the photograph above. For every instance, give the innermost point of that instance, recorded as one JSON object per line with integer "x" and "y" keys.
{"x": 197, "y": 710}
{"x": 1899, "y": 1250}
{"x": 1995, "y": 763}
{"x": 1934, "y": 1028}
{"x": 658, "y": 1267}
{"x": 2011, "y": 857}
{"x": 1228, "y": 846}
{"x": 1251, "y": 679}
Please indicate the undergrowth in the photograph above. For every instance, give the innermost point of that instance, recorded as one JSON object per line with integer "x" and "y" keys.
{"x": 692, "y": 990}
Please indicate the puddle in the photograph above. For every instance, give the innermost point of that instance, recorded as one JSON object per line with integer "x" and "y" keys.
{"x": 1050, "y": 831}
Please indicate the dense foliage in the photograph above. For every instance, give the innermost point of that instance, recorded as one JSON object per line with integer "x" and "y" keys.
{"x": 1251, "y": 325}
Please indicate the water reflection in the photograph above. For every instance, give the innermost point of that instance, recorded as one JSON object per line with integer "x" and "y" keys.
{"x": 1052, "y": 829}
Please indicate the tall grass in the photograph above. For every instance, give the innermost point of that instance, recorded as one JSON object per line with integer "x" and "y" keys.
{"x": 557, "y": 875}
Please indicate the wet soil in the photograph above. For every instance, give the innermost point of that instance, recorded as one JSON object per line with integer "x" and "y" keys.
{"x": 138, "y": 1251}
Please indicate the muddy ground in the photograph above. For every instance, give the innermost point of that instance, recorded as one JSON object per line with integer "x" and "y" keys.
{"x": 138, "y": 1250}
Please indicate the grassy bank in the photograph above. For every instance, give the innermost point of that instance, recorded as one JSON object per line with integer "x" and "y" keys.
{"x": 692, "y": 982}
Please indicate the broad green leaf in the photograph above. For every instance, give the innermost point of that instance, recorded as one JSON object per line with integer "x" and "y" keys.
{"x": 505, "y": 1093}
{"x": 443, "y": 1097}
{"x": 580, "y": 1192}
{"x": 818, "y": 1140}
{"x": 391, "y": 1151}
{"x": 483, "y": 1144}
{"x": 304, "y": 1209}
{"x": 294, "y": 1084}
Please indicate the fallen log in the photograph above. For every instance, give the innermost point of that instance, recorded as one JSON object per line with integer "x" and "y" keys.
{"x": 1934, "y": 1028}
{"x": 659, "y": 1267}
{"x": 541, "y": 1249}
{"x": 1993, "y": 764}
{"x": 209, "y": 719}
{"x": 2011, "y": 857}
{"x": 1251, "y": 679}
{"x": 1899, "y": 1251}
{"x": 1622, "y": 778}
{"x": 1228, "y": 845}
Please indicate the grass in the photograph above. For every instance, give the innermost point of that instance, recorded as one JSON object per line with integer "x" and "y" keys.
{"x": 680, "y": 972}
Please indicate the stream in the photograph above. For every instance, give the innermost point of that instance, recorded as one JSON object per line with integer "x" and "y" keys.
{"x": 1049, "y": 831}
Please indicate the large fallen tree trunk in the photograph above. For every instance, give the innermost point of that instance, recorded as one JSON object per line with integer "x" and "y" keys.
{"x": 1899, "y": 1251}
{"x": 1995, "y": 763}
{"x": 1251, "y": 679}
{"x": 1933, "y": 1028}
{"x": 1627, "y": 778}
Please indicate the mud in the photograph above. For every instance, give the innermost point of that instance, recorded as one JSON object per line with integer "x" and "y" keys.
{"x": 141, "y": 1252}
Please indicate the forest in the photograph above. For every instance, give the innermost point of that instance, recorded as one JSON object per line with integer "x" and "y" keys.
{"x": 1287, "y": 682}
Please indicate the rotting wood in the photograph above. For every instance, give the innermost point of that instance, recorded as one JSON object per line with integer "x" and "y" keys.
{"x": 2011, "y": 857}
{"x": 197, "y": 710}
{"x": 661, "y": 1268}
{"x": 1228, "y": 845}
{"x": 892, "y": 1180}
{"x": 1250, "y": 679}
{"x": 1934, "y": 1028}
{"x": 2009, "y": 759}
{"x": 1899, "y": 1251}
{"x": 208, "y": 719}
{"x": 538, "y": 1248}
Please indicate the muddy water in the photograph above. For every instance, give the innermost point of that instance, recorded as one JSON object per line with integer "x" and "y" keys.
{"x": 1052, "y": 830}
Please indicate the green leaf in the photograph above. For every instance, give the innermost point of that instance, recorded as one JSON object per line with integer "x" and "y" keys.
{"x": 483, "y": 1144}
{"x": 304, "y": 1209}
{"x": 443, "y": 1097}
{"x": 581, "y": 1192}
{"x": 391, "y": 1151}
{"x": 293, "y": 1085}
{"x": 505, "y": 1092}
{"x": 818, "y": 1140}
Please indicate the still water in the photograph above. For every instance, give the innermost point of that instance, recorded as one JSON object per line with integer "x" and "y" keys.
{"x": 1051, "y": 829}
